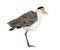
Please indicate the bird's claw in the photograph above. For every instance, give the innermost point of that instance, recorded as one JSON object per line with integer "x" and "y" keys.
{"x": 31, "y": 46}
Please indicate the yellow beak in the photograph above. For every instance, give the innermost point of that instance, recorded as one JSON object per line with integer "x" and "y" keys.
{"x": 43, "y": 11}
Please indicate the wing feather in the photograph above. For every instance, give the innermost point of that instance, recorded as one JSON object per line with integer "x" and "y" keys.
{"x": 26, "y": 19}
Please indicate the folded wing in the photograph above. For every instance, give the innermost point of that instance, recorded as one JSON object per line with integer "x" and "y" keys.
{"x": 24, "y": 20}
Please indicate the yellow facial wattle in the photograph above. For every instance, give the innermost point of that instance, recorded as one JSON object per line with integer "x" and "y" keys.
{"x": 43, "y": 11}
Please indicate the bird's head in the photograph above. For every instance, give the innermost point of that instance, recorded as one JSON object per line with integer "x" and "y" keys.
{"x": 42, "y": 10}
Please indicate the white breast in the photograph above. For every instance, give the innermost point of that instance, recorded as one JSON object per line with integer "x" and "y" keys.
{"x": 36, "y": 24}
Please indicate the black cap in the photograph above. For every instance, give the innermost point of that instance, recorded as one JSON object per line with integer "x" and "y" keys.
{"x": 40, "y": 7}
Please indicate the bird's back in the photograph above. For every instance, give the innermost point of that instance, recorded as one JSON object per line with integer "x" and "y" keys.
{"x": 26, "y": 19}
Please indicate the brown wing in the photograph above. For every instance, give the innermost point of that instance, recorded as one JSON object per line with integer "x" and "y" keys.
{"x": 26, "y": 19}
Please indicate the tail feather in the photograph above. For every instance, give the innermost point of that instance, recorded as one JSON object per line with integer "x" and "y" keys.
{"x": 11, "y": 29}
{"x": 13, "y": 23}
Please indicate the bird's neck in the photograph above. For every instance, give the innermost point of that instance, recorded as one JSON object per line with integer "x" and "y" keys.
{"x": 39, "y": 14}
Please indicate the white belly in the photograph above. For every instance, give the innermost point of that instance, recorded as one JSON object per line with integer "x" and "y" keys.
{"x": 33, "y": 26}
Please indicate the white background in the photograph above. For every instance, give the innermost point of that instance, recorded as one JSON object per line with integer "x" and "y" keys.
{"x": 46, "y": 37}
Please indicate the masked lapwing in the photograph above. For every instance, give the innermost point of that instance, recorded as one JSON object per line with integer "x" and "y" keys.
{"x": 28, "y": 21}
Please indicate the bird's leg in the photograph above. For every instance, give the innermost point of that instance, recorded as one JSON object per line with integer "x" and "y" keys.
{"x": 27, "y": 40}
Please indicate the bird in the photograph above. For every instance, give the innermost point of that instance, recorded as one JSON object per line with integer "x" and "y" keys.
{"x": 29, "y": 21}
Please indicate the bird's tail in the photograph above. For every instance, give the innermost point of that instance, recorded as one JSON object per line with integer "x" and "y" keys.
{"x": 13, "y": 23}
{"x": 11, "y": 29}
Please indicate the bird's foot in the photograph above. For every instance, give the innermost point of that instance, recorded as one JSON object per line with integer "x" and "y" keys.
{"x": 31, "y": 46}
